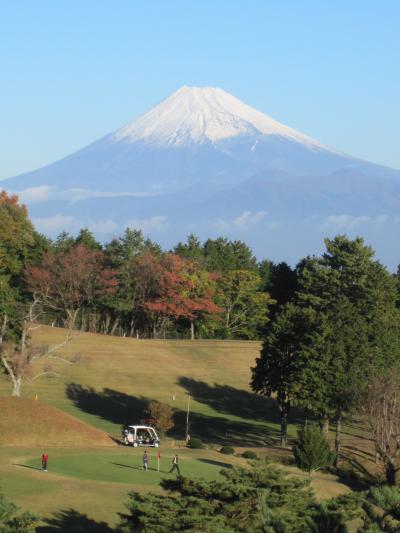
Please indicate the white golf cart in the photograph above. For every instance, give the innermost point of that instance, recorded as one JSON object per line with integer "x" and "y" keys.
{"x": 140, "y": 436}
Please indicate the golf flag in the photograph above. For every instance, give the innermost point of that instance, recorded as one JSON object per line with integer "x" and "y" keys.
{"x": 158, "y": 461}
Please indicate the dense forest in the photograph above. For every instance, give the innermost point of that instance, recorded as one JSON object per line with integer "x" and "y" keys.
{"x": 130, "y": 286}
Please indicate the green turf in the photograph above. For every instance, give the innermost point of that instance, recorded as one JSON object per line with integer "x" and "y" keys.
{"x": 86, "y": 486}
{"x": 126, "y": 468}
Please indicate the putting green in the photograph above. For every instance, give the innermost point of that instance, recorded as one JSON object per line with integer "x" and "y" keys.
{"x": 127, "y": 468}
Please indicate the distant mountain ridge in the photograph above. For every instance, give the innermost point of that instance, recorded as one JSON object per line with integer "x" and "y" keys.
{"x": 204, "y": 161}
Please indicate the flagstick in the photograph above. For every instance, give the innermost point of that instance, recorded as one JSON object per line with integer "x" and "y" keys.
{"x": 187, "y": 419}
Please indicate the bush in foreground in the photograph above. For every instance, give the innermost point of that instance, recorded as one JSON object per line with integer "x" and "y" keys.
{"x": 195, "y": 443}
{"x": 227, "y": 450}
{"x": 13, "y": 522}
{"x": 382, "y": 510}
{"x": 259, "y": 499}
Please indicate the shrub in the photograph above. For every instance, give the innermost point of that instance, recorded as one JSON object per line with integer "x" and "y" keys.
{"x": 13, "y": 521}
{"x": 249, "y": 454}
{"x": 159, "y": 415}
{"x": 312, "y": 450}
{"x": 227, "y": 450}
{"x": 195, "y": 443}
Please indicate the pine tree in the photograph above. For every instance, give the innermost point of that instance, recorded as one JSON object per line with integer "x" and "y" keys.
{"x": 281, "y": 362}
{"x": 312, "y": 450}
{"x": 357, "y": 327}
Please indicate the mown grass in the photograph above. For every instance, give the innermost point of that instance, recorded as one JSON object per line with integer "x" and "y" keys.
{"x": 94, "y": 482}
{"x": 107, "y": 386}
{"x": 127, "y": 467}
{"x": 113, "y": 378}
{"x": 91, "y": 485}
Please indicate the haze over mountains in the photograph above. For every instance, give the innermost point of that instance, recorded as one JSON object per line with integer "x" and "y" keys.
{"x": 203, "y": 161}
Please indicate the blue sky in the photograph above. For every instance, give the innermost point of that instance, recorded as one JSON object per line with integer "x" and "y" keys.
{"x": 72, "y": 71}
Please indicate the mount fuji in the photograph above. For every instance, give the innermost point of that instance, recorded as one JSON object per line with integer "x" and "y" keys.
{"x": 203, "y": 161}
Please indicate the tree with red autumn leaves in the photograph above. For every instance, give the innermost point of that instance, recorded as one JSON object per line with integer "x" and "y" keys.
{"x": 66, "y": 281}
{"x": 184, "y": 291}
{"x": 63, "y": 282}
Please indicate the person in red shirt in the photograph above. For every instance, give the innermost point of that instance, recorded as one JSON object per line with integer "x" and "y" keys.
{"x": 45, "y": 459}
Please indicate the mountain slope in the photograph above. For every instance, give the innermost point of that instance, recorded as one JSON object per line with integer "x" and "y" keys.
{"x": 203, "y": 161}
{"x": 195, "y": 135}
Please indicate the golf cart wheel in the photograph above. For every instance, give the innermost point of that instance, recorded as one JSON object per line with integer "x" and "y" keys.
{"x": 135, "y": 444}
{"x": 156, "y": 444}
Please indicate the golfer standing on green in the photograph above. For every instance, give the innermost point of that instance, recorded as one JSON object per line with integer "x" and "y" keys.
{"x": 175, "y": 465}
{"x": 145, "y": 461}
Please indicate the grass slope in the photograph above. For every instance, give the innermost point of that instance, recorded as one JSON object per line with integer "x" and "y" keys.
{"x": 114, "y": 377}
{"x": 26, "y": 422}
{"x": 108, "y": 385}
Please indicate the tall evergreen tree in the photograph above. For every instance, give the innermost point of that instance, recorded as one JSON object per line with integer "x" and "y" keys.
{"x": 281, "y": 362}
{"x": 191, "y": 249}
{"x": 87, "y": 239}
{"x": 222, "y": 255}
{"x": 354, "y": 298}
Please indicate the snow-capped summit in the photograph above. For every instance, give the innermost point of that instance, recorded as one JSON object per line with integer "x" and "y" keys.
{"x": 201, "y": 114}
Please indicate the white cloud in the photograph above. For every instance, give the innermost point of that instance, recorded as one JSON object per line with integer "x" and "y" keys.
{"x": 76, "y": 195}
{"x": 104, "y": 226}
{"x": 59, "y": 222}
{"x": 246, "y": 221}
{"x": 349, "y": 222}
{"x": 35, "y": 194}
{"x": 44, "y": 193}
{"x": 157, "y": 223}
{"x": 55, "y": 224}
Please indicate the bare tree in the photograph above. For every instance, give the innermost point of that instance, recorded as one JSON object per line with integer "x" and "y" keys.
{"x": 380, "y": 406}
{"x": 17, "y": 355}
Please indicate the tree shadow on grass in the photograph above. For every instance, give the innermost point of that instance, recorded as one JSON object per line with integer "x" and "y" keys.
{"x": 69, "y": 520}
{"x": 231, "y": 401}
{"x": 218, "y": 430}
{"x": 221, "y": 464}
{"x": 108, "y": 404}
{"x": 121, "y": 408}
{"x": 239, "y": 403}
{"x": 354, "y": 474}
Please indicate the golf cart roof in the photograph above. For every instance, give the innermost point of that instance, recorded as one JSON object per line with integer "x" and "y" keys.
{"x": 140, "y": 427}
